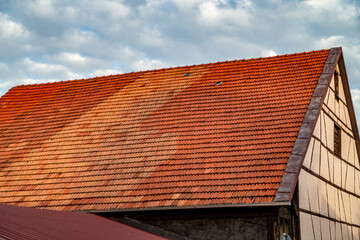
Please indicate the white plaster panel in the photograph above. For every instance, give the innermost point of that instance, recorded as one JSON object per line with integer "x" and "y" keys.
{"x": 342, "y": 111}
{"x": 345, "y": 115}
{"x": 322, "y": 128}
{"x": 345, "y": 145}
{"x": 341, "y": 90}
{"x": 315, "y": 161}
{"x": 337, "y": 171}
{"x": 345, "y": 231}
{"x": 327, "y": 111}
{"x": 341, "y": 206}
{"x": 332, "y": 230}
{"x": 356, "y": 232}
{"x": 356, "y": 159}
{"x": 324, "y": 164}
{"x": 332, "y": 101}
{"x": 313, "y": 193}
{"x": 336, "y": 108}
{"x": 307, "y": 159}
{"x": 317, "y": 226}
{"x": 348, "y": 123}
{"x": 344, "y": 167}
{"x": 304, "y": 183}
{"x": 329, "y": 130}
{"x": 332, "y": 83}
{"x": 332, "y": 201}
{"x": 357, "y": 183}
{"x": 316, "y": 132}
{"x": 306, "y": 229}
{"x": 351, "y": 157}
{"x": 323, "y": 198}
{"x": 331, "y": 166}
{"x": 325, "y": 228}
{"x": 350, "y": 184}
{"x": 338, "y": 231}
{"x": 345, "y": 128}
{"x": 327, "y": 95}
{"x": 355, "y": 210}
{"x": 349, "y": 228}
{"x": 347, "y": 207}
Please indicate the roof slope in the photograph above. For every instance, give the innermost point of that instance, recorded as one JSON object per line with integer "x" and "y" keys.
{"x": 219, "y": 133}
{"x": 20, "y": 223}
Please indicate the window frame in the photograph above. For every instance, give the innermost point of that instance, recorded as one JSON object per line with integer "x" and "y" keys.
{"x": 337, "y": 140}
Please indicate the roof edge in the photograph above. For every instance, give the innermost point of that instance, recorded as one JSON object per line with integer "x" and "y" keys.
{"x": 241, "y": 205}
{"x": 104, "y": 77}
{"x": 349, "y": 102}
{"x": 293, "y": 167}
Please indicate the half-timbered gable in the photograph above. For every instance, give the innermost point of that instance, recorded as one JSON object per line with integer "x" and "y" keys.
{"x": 329, "y": 184}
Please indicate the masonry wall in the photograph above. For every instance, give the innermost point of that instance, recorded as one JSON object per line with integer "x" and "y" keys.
{"x": 247, "y": 223}
{"x": 329, "y": 185}
{"x": 223, "y": 228}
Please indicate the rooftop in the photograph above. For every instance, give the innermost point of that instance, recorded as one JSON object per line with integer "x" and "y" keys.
{"x": 200, "y": 135}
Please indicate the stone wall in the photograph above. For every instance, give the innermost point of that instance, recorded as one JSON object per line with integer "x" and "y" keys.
{"x": 218, "y": 229}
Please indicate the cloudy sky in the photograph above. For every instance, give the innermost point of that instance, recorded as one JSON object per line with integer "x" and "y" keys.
{"x": 52, "y": 40}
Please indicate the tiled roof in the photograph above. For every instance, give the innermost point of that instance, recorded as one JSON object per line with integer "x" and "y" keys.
{"x": 22, "y": 223}
{"x": 218, "y": 133}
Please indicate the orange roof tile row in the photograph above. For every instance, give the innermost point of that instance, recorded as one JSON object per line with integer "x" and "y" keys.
{"x": 218, "y": 133}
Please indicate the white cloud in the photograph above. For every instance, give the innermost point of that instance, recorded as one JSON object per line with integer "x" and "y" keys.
{"x": 268, "y": 53}
{"x": 4, "y": 69}
{"x": 111, "y": 9}
{"x": 104, "y": 15}
{"x": 76, "y": 61}
{"x": 52, "y": 10}
{"x": 339, "y": 9}
{"x": 104, "y": 72}
{"x": 11, "y": 29}
{"x": 6, "y": 84}
{"x": 151, "y": 37}
{"x": 186, "y": 4}
{"x": 68, "y": 39}
{"x": 42, "y": 8}
{"x": 218, "y": 13}
{"x": 329, "y": 42}
{"x": 355, "y": 94}
{"x": 75, "y": 38}
{"x": 351, "y": 51}
{"x": 147, "y": 64}
{"x": 41, "y": 68}
{"x": 72, "y": 58}
{"x": 49, "y": 71}
{"x": 37, "y": 81}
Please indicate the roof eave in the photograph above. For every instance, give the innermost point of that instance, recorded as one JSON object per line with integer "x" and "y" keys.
{"x": 241, "y": 205}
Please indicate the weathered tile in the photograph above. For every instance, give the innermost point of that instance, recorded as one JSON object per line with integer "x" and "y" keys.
{"x": 222, "y": 134}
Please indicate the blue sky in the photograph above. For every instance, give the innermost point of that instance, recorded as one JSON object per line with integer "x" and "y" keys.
{"x": 46, "y": 41}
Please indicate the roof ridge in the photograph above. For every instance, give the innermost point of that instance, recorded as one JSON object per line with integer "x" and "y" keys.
{"x": 162, "y": 69}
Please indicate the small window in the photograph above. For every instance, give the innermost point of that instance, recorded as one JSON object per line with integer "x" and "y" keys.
{"x": 337, "y": 140}
{"x": 336, "y": 83}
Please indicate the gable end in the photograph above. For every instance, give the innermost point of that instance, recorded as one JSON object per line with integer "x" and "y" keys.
{"x": 292, "y": 170}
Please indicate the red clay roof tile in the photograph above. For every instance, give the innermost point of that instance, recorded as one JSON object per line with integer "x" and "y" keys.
{"x": 156, "y": 138}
